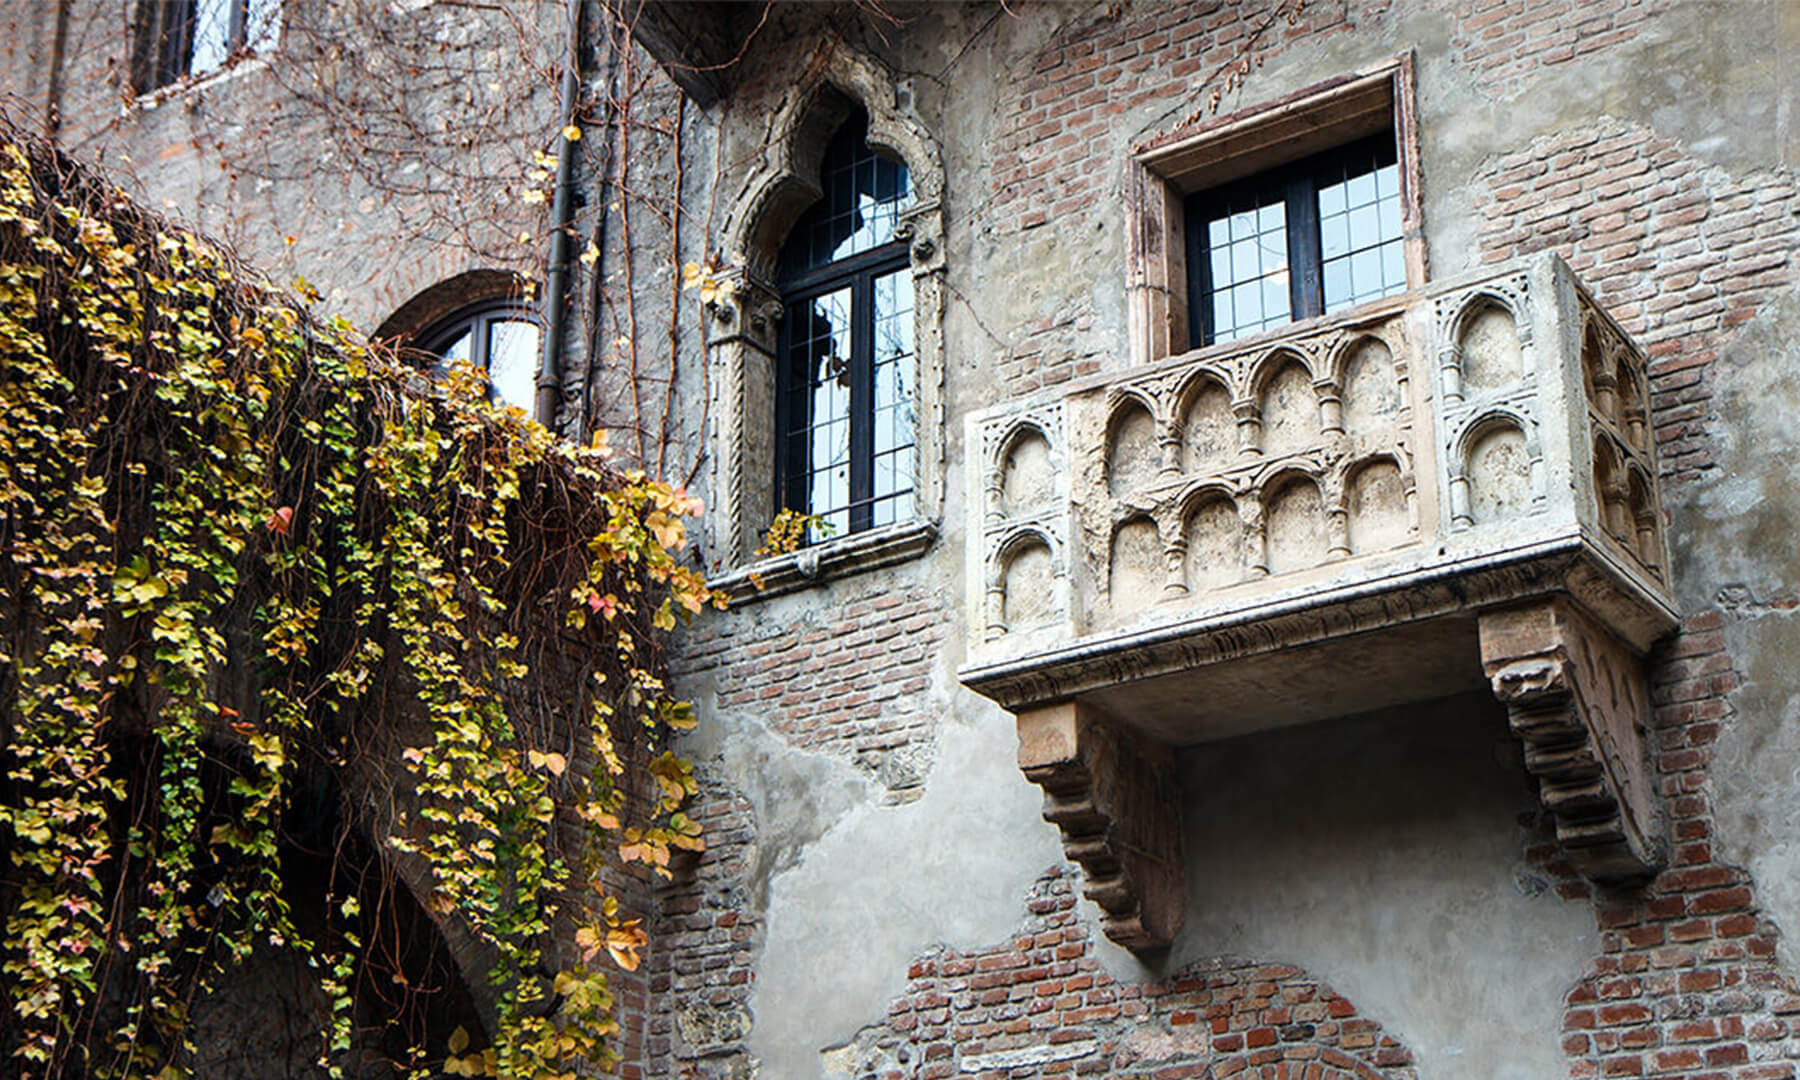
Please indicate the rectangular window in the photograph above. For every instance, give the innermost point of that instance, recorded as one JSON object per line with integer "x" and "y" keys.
{"x": 184, "y": 38}
{"x": 1303, "y": 206}
{"x": 1316, "y": 236}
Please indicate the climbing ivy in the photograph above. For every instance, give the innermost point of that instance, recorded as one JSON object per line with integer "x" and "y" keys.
{"x": 245, "y": 558}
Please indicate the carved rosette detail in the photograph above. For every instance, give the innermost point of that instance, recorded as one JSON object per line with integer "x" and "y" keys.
{"x": 1578, "y": 699}
{"x": 1113, "y": 796}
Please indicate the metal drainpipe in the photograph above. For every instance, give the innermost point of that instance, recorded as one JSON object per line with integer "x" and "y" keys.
{"x": 602, "y": 181}
{"x": 53, "y": 93}
{"x": 556, "y": 279}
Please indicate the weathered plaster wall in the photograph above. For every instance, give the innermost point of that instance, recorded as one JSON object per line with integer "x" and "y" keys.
{"x": 1387, "y": 855}
{"x": 1754, "y": 571}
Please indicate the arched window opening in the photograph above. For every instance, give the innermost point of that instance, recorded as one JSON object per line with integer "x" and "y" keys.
{"x": 502, "y": 339}
{"x": 847, "y": 378}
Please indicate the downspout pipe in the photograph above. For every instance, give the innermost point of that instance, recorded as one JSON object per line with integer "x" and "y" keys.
{"x": 53, "y": 93}
{"x": 602, "y": 182}
{"x": 562, "y": 212}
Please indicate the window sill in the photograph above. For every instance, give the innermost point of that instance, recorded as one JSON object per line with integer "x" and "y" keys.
{"x": 189, "y": 86}
{"x": 836, "y": 558}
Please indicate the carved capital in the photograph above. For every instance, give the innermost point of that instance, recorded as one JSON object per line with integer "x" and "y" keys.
{"x": 922, "y": 227}
{"x": 1113, "y": 795}
{"x": 747, "y": 312}
{"x": 1578, "y": 698}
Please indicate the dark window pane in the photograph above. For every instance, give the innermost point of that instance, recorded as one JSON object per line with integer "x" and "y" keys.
{"x": 847, "y": 377}
{"x": 1365, "y": 229}
{"x": 894, "y": 378}
{"x": 817, "y": 390}
{"x": 502, "y": 339}
{"x": 1243, "y": 233}
{"x": 212, "y": 35}
{"x": 457, "y": 352}
{"x": 1249, "y": 274}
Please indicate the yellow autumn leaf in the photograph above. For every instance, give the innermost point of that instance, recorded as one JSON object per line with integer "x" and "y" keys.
{"x": 572, "y": 133}
{"x": 459, "y": 1039}
{"x": 669, "y": 532}
{"x": 554, "y": 762}
{"x": 623, "y": 945}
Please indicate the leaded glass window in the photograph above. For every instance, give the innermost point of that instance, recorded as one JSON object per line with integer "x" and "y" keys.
{"x": 1320, "y": 235}
{"x": 846, "y": 377}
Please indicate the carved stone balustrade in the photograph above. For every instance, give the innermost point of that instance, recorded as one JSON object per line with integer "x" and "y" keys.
{"x": 1451, "y": 489}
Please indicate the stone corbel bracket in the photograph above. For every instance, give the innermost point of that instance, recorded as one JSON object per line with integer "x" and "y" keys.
{"x": 1114, "y": 797}
{"x": 1579, "y": 700}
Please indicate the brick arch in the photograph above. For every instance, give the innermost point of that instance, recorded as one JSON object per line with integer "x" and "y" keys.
{"x": 436, "y": 302}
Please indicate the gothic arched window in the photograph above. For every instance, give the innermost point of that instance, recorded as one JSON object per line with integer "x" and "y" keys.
{"x": 846, "y": 373}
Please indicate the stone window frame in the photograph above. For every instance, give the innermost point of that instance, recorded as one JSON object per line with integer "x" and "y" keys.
{"x": 1162, "y": 171}
{"x": 153, "y": 81}
{"x": 743, "y": 326}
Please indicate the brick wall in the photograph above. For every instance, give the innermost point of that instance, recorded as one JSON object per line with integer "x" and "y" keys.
{"x": 703, "y": 953}
{"x": 850, "y": 678}
{"x": 1681, "y": 254}
{"x": 1687, "y": 982}
{"x": 1506, "y": 42}
{"x": 1058, "y": 158}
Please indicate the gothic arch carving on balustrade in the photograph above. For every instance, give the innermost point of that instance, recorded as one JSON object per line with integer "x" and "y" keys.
{"x": 1204, "y": 429}
{"x": 1270, "y": 362}
{"x": 1012, "y": 606}
{"x": 1134, "y": 430}
{"x": 1015, "y": 483}
{"x": 1499, "y": 476}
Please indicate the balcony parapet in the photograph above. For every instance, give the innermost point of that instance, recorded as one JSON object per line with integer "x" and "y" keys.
{"x": 1452, "y": 488}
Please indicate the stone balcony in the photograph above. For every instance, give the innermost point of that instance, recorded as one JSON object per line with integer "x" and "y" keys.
{"x": 1451, "y": 489}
